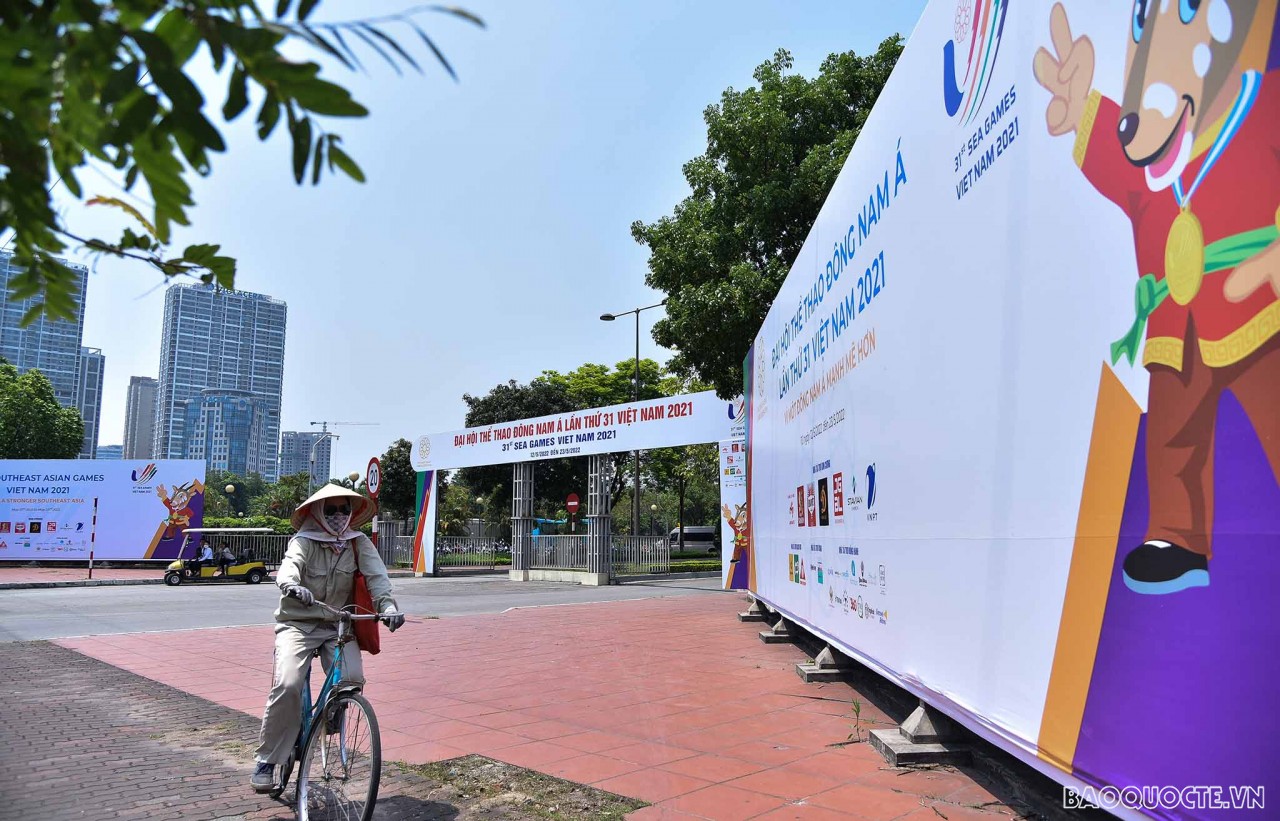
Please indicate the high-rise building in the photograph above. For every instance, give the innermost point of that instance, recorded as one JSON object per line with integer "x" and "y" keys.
{"x": 295, "y": 454}
{"x": 226, "y": 429}
{"x": 140, "y": 418}
{"x": 215, "y": 339}
{"x": 52, "y": 345}
{"x": 89, "y": 398}
{"x": 110, "y": 452}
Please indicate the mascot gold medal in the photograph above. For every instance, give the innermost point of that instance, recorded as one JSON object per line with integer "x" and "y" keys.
{"x": 1184, "y": 248}
{"x": 1184, "y": 257}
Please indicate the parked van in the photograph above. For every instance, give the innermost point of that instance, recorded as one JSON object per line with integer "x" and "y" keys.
{"x": 696, "y": 537}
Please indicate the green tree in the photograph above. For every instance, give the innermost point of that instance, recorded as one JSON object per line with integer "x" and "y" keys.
{"x": 689, "y": 473}
{"x": 507, "y": 402}
{"x": 398, "y": 495}
{"x": 596, "y": 386}
{"x": 773, "y": 152}
{"x": 452, "y": 506}
{"x": 240, "y": 500}
{"x": 588, "y": 386}
{"x": 32, "y": 423}
{"x": 107, "y": 81}
{"x": 282, "y": 498}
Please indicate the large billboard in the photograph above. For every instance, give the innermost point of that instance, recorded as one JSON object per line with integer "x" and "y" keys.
{"x": 54, "y": 510}
{"x": 1014, "y": 416}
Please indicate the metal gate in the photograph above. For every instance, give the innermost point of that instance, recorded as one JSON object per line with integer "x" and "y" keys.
{"x": 639, "y": 556}
{"x": 471, "y": 553}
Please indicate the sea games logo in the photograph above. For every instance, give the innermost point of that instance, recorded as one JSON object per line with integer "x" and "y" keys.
{"x": 968, "y": 67}
{"x": 142, "y": 480}
{"x": 969, "y": 59}
{"x": 738, "y": 417}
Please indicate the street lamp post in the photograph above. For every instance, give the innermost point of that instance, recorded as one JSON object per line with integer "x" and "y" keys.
{"x": 653, "y": 510}
{"x": 311, "y": 474}
{"x": 635, "y": 397}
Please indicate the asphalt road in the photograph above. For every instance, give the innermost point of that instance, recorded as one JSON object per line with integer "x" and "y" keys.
{"x": 28, "y": 615}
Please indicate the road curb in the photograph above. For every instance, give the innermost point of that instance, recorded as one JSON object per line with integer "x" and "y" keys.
{"x": 657, "y": 577}
{"x": 395, "y": 574}
{"x": 76, "y": 583}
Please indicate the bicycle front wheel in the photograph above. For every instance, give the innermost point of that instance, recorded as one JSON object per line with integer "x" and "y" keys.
{"x": 340, "y": 768}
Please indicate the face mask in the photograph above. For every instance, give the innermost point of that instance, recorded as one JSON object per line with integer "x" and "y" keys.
{"x": 336, "y": 518}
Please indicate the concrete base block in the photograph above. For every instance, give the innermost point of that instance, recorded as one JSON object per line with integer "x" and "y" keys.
{"x": 829, "y": 665}
{"x": 756, "y": 612}
{"x": 780, "y": 633}
{"x": 518, "y": 575}
{"x": 926, "y": 737}
{"x": 899, "y": 751}
{"x": 572, "y": 576}
{"x": 811, "y": 673}
{"x": 926, "y": 725}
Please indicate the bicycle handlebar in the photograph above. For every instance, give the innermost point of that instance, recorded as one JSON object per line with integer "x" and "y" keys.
{"x": 341, "y": 613}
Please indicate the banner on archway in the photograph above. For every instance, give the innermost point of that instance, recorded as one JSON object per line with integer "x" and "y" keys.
{"x": 691, "y": 419}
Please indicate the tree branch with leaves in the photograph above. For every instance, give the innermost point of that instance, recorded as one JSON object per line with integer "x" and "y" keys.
{"x": 88, "y": 81}
{"x": 773, "y": 152}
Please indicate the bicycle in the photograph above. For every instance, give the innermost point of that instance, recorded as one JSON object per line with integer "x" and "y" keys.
{"x": 334, "y": 773}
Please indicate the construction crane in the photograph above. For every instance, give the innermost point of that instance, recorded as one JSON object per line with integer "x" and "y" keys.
{"x": 324, "y": 426}
{"x": 325, "y": 433}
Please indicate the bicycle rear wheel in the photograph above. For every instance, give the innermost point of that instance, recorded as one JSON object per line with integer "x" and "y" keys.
{"x": 339, "y": 772}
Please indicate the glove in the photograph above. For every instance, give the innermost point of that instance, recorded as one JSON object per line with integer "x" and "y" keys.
{"x": 300, "y": 593}
{"x": 392, "y": 622}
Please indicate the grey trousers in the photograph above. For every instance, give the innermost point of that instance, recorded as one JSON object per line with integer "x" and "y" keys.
{"x": 283, "y": 714}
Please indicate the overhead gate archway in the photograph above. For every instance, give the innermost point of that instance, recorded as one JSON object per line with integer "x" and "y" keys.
{"x": 599, "y": 555}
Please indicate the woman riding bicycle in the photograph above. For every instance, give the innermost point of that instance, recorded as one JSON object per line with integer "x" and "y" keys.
{"x": 319, "y": 566}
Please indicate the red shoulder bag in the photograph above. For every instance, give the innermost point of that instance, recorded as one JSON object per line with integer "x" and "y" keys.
{"x": 367, "y": 637}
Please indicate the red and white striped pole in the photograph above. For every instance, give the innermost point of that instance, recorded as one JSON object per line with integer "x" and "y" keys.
{"x": 93, "y": 534}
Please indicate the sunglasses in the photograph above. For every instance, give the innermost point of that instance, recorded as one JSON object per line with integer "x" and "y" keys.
{"x": 335, "y": 510}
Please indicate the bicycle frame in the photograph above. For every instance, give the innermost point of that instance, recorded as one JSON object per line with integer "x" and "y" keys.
{"x": 312, "y": 714}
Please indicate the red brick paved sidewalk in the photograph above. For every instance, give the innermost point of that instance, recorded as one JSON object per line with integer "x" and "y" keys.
{"x": 668, "y": 700}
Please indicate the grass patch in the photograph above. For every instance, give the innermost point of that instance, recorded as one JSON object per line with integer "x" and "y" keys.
{"x": 483, "y": 788}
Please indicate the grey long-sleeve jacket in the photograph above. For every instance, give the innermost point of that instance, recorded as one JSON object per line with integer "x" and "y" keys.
{"x": 330, "y": 578}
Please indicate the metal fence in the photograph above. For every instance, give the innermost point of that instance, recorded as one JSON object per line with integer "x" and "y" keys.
{"x": 640, "y": 555}
{"x": 631, "y": 555}
{"x": 559, "y": 553}
{"x": 262, "y": 547}
{"x": 471, "y": 553}
{"x": 395, "y": 543}
{"x": 396, "y": 549}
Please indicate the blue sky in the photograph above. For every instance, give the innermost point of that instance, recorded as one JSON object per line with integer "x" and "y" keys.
{"x": 494, "y": 226}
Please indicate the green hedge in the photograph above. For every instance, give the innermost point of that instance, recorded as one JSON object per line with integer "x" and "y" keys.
{"x": 464, "y": 560}
{"x": 280, "y": 526}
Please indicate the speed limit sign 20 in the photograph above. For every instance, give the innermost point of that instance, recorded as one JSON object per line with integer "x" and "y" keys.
{"x": 373, "y": 477}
